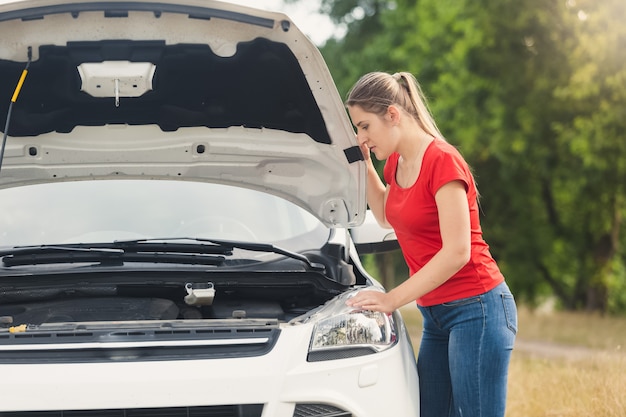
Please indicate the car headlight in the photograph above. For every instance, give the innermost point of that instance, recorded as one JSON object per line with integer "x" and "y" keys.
{"x": 349, "y": 333}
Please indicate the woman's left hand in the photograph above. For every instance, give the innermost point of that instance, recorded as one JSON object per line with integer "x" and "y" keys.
{"x": 372, "y": 300}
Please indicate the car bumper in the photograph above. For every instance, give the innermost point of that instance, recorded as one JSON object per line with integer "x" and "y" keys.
{"x": 382, "y": 384}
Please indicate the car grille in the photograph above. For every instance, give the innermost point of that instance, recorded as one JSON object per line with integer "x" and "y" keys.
{"x": 319, "y": 410}
{"x": 137, "y": 345}
{"x": 242, "y": 410}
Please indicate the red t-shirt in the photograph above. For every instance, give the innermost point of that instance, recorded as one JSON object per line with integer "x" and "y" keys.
{"x": 413, "y": 214}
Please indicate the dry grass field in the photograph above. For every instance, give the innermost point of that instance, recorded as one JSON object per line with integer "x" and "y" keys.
{"x": 564, "y": 364}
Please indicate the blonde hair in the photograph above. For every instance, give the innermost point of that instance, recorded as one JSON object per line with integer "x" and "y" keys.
{"x": 376, "y": 91}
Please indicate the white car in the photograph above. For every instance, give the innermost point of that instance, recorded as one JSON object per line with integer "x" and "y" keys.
{"x": 182, "y": 202}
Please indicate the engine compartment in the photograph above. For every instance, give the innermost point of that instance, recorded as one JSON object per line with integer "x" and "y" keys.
{"x": 279, "y": 291}
{"x": 96, "y": 309}
{"x": 240, "y": 297}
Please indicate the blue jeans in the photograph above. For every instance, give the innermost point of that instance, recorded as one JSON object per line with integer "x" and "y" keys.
{"x": 464, "y": 355}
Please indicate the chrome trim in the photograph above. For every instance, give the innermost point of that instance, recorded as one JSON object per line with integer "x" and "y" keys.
{"x": 126, "y": 345}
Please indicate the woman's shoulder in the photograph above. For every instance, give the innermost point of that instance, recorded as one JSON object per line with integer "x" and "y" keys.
{"x": 445, "y": 162}
{"x": 440, "y": 149}
{"x": 442, "y": 146}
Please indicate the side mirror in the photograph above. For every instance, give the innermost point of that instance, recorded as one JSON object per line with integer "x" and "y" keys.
{"x": 370, "y": 237}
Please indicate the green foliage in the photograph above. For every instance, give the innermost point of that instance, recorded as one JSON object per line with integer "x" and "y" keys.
{"x": 533, "y": 92}
{"x": 387, "y": 268}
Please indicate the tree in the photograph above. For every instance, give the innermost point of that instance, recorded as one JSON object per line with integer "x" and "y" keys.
{"x": 594, "y": 141}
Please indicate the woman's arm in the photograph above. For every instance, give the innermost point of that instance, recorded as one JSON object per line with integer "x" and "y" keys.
{"x": 454, "y": 222}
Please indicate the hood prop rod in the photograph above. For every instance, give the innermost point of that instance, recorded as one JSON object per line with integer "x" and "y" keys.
{"x": 16, "y": 93}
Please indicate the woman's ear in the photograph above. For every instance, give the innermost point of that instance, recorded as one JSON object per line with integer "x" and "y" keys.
{"x": 393, "y": 114}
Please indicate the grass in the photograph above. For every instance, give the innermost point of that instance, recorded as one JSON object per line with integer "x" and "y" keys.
{"x": 579, "y": 329}
{"x": 593, "y": 386}
{"x": 566, "y": 365}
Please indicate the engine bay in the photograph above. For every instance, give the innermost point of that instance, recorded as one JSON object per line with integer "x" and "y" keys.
{"x": 97, "y": 309}
{"x": 227, "y": 298}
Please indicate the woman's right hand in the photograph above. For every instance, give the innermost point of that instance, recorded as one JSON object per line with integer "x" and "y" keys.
{"x": 365, "y": 150}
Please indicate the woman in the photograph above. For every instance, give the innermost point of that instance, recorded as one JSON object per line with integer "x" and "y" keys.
{"x": 431, "y": 201}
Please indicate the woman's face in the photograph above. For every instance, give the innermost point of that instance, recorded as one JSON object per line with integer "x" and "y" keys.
{"x": 373, "y": 131}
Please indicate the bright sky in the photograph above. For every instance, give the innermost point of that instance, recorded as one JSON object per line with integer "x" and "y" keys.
{"x": 304, "y": 14}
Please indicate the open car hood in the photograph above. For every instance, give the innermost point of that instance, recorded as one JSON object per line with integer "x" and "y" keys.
{"x": 186, "y": 90}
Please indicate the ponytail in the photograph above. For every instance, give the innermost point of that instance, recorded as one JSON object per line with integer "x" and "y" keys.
{"x": 418, "y": 107}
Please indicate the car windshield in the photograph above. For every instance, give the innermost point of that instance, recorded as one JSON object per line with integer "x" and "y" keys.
{"x": 105, "y": 211}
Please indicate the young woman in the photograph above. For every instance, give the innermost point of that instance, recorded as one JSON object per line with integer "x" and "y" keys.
{"x": 430, "y": 199}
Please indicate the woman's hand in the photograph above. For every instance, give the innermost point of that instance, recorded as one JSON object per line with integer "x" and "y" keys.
{"x": 373, "y": 301}
{"x": 365, "y": 150}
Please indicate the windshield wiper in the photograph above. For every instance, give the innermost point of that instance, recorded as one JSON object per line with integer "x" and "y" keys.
{"x": 227, "y": 246}
{"x": 112, "y": 254}
{"x": 171, "y": 250}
